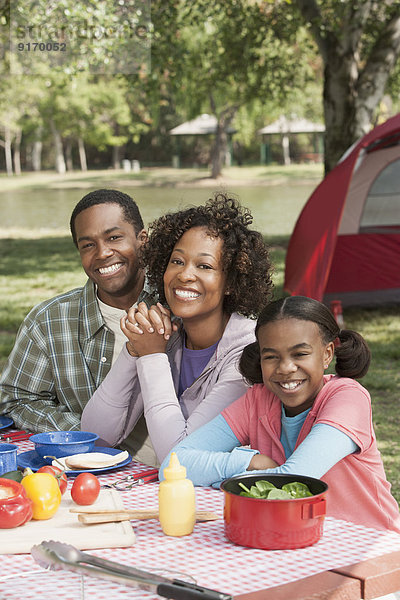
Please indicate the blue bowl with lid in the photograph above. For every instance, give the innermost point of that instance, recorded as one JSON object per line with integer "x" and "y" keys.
{"x": 63, "y": 443}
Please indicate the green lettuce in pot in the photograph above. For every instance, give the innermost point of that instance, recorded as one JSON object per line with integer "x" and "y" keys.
{"x": 266, "y": 490}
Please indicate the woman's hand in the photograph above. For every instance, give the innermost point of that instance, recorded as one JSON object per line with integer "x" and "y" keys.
{"x": 156, "y": 318}
{"x": 142, "y": 342}
{"x": 147, "y": 329}
{"x": 260, "y": 462}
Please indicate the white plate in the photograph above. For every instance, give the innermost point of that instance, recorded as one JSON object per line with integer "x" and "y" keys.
{"x": 32, "y": 460}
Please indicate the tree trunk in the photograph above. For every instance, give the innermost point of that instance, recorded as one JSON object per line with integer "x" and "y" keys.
{"x": 339, "y": 106}
{"x": 218, "y": 151}
{"x": 116, "y": 157}
{"x": 58, "y": 149}
{"x": 37, "y": 155}
{"x": 82, "y": 154}
{"x": 17, "y": 152}
{"x": 34, "y": 156}
{"x": 68, "y": 155}
{"x": 352, "y": 94}
{"x": 355, "y": 75}
{"x": 28, "y": 156}
{"x": 373, "y": 77}
{"x": 7, "y": 150}
{"x": 220, "y": 147}
{"x": 286, "y": 150}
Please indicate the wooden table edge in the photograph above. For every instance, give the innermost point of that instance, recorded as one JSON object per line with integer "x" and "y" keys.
{"x": 324, "y": 586}
{"x": 378, "y": 576}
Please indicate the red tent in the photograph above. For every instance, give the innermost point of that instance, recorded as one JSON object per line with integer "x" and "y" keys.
{"x": 346, "y": 242}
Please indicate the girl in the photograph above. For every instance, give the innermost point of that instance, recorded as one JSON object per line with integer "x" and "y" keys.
{"x": 213, "y": 272}
{"x": 297, "y": 420}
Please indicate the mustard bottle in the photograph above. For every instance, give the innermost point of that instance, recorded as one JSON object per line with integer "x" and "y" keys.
{"x": 176, "y": 500}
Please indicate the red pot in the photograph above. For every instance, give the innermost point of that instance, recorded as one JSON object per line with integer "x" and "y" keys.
{"x": 274, "y": 524}
{"x": 15, "y": 507}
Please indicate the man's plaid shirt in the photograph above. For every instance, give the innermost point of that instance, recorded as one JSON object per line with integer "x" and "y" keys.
{"x": 62, "y": 353}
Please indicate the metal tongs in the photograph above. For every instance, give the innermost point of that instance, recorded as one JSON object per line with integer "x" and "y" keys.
{"x": 15, "y": 436}
{"x": 129, "y": 481}
{"x": 59, "y": 556}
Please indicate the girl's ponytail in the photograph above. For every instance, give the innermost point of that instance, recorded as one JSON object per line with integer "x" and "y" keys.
{"x": 352, "y": 355}
{"x": 249, "y": 364}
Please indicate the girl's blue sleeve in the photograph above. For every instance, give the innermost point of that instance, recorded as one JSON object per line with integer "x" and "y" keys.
{"x": 211, "y": 454}
{"x": 323, "y": 447}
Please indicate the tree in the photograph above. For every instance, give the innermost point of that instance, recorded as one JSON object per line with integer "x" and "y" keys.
{"x": 15, "y": 105}
{"x": 98, "y": 36}
{"x": 226, "y": 54}
{"x": 113, "y": 121}
{"x": 245, "y": 54}
{"x": 359, "y": 42}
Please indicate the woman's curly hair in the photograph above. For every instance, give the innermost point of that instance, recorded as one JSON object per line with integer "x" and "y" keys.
{"x": 245, "y": 256}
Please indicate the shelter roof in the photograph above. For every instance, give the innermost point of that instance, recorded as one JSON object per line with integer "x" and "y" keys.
{"x": 202, "y": 125}
{"x": 284, "y": 125}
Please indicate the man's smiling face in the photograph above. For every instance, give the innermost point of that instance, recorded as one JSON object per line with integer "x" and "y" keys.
{"x": 108, "y": 246}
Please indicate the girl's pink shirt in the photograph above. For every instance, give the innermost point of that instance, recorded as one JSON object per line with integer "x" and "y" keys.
{"x": 358, "y": 488}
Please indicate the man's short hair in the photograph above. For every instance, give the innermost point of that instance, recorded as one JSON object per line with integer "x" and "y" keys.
{"x": 103, "y": 196}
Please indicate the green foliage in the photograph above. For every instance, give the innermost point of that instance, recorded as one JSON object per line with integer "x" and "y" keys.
{"x": 235, "y": 52}
{"x": 204, "y": 57}
{"x": 230, "y": 55}
{"x": 336, "y": 17}
{"x": 95, "y": 109}
{"x": 101, "y": 36}
{"x": 258, "y": 57}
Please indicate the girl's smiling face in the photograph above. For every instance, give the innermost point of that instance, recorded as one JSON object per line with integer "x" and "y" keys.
{"x": 293, "y": 358}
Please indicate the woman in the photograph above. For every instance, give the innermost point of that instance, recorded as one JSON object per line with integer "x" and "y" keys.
{"x": 213, "y": 272}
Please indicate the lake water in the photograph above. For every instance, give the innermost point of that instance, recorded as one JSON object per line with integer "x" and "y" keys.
{"x": 275, "y": 208}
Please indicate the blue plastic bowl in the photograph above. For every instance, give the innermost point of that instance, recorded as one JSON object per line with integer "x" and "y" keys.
{"x": 63, "y": 443}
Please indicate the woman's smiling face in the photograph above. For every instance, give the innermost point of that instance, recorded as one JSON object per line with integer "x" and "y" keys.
{"x": 194, "y": 280}
{"x": 293, "y": 358}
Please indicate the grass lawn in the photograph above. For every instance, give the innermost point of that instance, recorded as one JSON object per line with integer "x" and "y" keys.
{"x": 36, "y": 268}
{"x": 166, "y": 176}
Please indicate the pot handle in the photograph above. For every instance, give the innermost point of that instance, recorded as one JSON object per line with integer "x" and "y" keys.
{"x": 311, "y": 510}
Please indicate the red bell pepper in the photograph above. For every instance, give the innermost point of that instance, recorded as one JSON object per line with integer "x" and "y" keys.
{"x": 15, "y": 506}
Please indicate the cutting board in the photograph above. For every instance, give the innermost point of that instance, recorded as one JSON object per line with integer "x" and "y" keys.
{"x": 65, "y": 527}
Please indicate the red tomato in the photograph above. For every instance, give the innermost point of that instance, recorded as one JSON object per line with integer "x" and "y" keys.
{"x": 58, "y": 474}
{"x": 85, "y": 489}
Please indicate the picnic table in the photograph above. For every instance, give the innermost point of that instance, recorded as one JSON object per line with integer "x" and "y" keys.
{"x": 350, "y": 561}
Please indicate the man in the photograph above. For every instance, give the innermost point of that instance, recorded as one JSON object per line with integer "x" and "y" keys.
{"x": 66, "y": 345}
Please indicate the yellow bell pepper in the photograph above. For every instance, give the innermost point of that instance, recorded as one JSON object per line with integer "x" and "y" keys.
{"x": 43, "y": 490}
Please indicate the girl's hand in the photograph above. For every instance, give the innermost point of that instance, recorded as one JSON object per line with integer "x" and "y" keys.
{"x": 260, "y": 462}
{"x": 140, "y": 341}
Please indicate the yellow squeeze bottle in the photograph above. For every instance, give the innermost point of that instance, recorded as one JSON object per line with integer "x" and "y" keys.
{"x": 176, "y": 500}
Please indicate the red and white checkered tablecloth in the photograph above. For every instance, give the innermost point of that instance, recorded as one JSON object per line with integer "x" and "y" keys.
{"x": 206, "y": 555}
